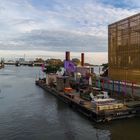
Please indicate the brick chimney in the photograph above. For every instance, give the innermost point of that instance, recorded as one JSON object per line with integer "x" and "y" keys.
{"x": 67, "y": 57}
{"x": 82, "y": 59}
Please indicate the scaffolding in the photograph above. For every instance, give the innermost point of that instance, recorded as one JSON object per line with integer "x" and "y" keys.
{"x": 124, "y": 49}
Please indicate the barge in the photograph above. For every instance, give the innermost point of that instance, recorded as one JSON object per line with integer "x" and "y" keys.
{"x": 86, "y": 107}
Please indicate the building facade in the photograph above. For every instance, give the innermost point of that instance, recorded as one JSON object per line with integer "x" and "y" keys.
{"x": 124, "y": 49}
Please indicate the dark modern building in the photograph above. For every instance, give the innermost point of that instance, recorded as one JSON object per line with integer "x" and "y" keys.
{"x": 124, "y": 49}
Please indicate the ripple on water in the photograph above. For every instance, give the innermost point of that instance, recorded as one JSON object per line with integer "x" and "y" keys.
{"x": 29, "y": 113}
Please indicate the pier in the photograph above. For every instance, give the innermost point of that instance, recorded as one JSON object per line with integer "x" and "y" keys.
{"x": 85, "y": 107}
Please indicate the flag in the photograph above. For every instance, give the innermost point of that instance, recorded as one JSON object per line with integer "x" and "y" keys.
{"x": 108, "y": 84}
{"x": 103, "y": 84}
{"x": 99, "y": 83}
{"x": 42, "y": 67}
{"x": 113, "y": 85}
{"x": 119, "y": 86}
{"x": 69, "y": 66}
{"x": 124, "y": 87}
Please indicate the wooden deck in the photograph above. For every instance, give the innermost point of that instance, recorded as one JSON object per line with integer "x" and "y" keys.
{"x": 86, "y": 107}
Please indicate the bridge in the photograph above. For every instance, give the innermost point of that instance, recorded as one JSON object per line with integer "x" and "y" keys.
{"x": 27, "y": 63}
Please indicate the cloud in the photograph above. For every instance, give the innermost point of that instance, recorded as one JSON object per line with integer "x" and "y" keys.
{"x": 57, "y": 41}
{"x": 60, "y": 25}
{"x": 127, "y": 4}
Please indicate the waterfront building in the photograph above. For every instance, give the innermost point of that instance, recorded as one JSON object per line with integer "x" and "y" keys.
{"x": 124, "y": 49}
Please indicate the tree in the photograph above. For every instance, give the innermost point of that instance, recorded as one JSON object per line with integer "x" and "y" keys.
{"x": 39, "y": 60}
{"x": 52, "y": 68}
{"x": 54, "y": 62}
{"x": 105, "y": 66}
{"x": 76, "y": 61}
{"x": 105, "y": 70}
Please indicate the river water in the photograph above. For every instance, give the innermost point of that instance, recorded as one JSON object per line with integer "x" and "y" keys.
{"x": 29, "y": 113}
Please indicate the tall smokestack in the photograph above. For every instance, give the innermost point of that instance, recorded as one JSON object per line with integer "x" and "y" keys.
{"x": 67, "y": 57}
{"x": 82, "y": 59}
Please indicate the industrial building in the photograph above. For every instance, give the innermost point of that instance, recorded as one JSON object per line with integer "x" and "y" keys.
{"x": 124, "y": 49}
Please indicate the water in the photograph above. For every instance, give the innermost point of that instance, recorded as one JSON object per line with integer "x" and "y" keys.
{"x": 29, "y": 113}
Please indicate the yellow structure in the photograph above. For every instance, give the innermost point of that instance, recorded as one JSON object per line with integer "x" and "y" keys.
{"x": 109, "y": 106}
{"x": 124, "y": 49}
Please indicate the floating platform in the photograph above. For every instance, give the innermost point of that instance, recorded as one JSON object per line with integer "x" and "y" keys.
{"x": 86, "y": 108}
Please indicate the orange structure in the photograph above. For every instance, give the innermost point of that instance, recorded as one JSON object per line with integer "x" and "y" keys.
{"x": 68, "y": 89}
{"x": 124, "y": 49}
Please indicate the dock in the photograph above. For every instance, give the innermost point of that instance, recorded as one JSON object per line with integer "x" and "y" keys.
{"x": 85, "y": 107}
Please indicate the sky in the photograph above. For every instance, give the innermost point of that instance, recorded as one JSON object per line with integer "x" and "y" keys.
{"x": 51, "y": 26}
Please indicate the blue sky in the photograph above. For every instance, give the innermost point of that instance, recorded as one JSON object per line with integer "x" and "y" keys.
{"x": 60, "y": 25}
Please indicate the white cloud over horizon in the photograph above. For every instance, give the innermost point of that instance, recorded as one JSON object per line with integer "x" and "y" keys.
{"x": 60, "y": 25}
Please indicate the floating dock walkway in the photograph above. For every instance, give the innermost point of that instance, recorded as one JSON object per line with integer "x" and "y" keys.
{"x": 85, "y": 107}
